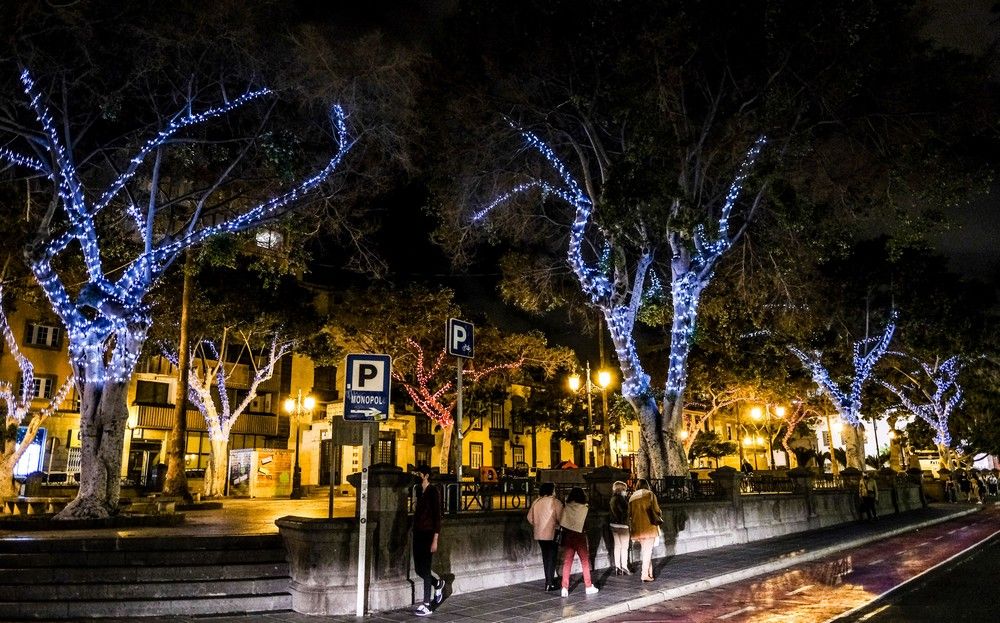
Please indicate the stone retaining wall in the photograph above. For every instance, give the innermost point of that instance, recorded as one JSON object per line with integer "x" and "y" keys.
{"x": 479, "y": 551}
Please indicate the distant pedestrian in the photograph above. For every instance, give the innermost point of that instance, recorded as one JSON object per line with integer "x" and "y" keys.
{"x": 868, "y": 488}
{"x": 426, "y": 528}
{"x": 975, "y": 489}
{"x": 991, "y": 484}
{"x": 574, "y": 540}
{"x": 544, "y": 516}
{"x": 645, "y": 519}
{"x": 964, "y": 486}
{"x": 619, "y": 527}
{"x": 949, "y": 491}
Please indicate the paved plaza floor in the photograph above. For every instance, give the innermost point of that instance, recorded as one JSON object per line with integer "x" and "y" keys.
{"x": 527, "y": 602}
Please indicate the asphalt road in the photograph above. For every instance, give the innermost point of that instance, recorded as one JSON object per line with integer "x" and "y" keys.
{"x": 960, "y": 589}
{"x": 841, "y": 588}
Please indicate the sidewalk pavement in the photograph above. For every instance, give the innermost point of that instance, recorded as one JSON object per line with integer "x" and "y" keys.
{"x": 675, "y": 576}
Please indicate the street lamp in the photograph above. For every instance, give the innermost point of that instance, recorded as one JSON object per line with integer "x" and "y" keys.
{"x": 604, "y": 380}
{"x": 574, "y": 385}
{"x": 296, "y": 407}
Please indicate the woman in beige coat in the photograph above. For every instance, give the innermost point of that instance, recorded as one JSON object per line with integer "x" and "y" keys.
{"x": 644, "y": 524}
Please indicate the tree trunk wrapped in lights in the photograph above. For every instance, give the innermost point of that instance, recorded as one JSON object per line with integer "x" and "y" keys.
{"x": 934, "y": 407}
{"x": 208, "y": 368}
{"x": 438, "y": 403}
{"x": 107, "y": 318}
{"x": 848, "y": 403}
{"x": 619, "y": 296}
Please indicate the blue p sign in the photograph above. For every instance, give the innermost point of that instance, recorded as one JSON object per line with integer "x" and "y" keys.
{"x": 460, "y": 337}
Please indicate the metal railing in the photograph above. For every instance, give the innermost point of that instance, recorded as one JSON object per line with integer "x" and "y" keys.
{"x": 679, "y": 489}
{"x": 766, "y": 483}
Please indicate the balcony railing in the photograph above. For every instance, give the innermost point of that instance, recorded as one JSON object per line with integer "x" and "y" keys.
{"x": 162, "y": 418}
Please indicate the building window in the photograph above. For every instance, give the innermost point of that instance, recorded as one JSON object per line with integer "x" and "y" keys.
{"x": 518, "y": 456}
{"x": 826, "y": 438}
{"x": 628, "y": 442}
{"x": 423, "y": 455}
{"x": 152, "y": 393}
{"x": 198, "y": 448}
{"x": 325, "y": 383}
{"x": 43, "y": 335}
{"x": 261, "y": 403}
{"x": 497, "y": 416}
{"x": 42, "y": 387}
{"x": 517, "y": 424}
{"x": 422, "y": 424}
{"x": 475, "y": 455}
{"x": 476, "y": 412}
{"x": 729, "y": 432}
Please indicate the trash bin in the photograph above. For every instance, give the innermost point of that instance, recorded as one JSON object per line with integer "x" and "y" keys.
{"x": 33, "y": 484}
{"x": 157, "y": 478}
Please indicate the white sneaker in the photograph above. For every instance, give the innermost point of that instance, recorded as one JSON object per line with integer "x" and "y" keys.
{"x": 439, "y": 591}
{"x": 565, "y": 592}
{"x": 592, "y": 590}
{"x": 422, "y": 611}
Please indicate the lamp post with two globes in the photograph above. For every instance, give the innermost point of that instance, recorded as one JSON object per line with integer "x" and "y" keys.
{"x": 296, "y": 407}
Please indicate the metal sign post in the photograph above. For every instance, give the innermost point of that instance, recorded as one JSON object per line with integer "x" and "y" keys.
{"x": 366, "y": 399}
{"x": 458, "y": 429}
{"x": 363, "y": 521}
{"x": 460, "y": 338}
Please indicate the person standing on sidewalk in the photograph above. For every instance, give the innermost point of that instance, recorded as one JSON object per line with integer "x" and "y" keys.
{"x": 645, "y": 519}
{"x": 544, "y": 516}
{"x": 619, "y": 526}
{"x": 574, "y": 517}
{"x": 426, "y": 528}
{"x": 869, "y": 497}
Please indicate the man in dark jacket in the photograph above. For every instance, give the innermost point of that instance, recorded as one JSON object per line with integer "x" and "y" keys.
{"x": 426, "y": 528}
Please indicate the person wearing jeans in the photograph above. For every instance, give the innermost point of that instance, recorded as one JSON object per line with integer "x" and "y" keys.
{"x": 574, "y": 517}
{"x": 426, "y": 528}
{"x": 544, "y": 516}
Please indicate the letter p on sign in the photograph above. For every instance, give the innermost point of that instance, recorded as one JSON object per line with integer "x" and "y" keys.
{"x": 460, "y": 337}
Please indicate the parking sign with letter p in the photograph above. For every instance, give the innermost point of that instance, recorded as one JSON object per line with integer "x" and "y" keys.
{"x": 460, "y": 338}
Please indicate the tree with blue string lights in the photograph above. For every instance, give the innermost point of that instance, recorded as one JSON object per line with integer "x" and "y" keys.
{"x": 848, "y": 401}
{"x": 617, "y": 283}
{"x": 931, "y": 393}
{"x": 107, "y": 317}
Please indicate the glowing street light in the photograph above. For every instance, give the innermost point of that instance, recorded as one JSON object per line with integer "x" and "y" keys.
{"x": 296, "y": 407}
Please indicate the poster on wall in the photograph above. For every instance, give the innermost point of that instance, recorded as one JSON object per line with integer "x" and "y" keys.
{"x": 240, "y": 465}
{"x": 260, "y": 473}
{"x": 273, "y": 476}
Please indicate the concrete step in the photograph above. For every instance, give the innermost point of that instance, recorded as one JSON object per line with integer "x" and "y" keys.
{"x": 97, "y": 544}
{"x": 91, "y": 577}
{"x": 144, "y": 590}
{"x": 140, "y": 559}
{"x": 14, "y": 577}
{"x": 26, "y": 610}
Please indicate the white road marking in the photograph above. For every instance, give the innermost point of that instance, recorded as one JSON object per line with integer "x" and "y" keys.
{"x": 735, "y": 612}
{"x": 800, "y": 589}
{"x": 873, "y": 613}
{"x": 938, "y": 538}
{"x": 875, "y": 562}
{"x": 924, "y": 543}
